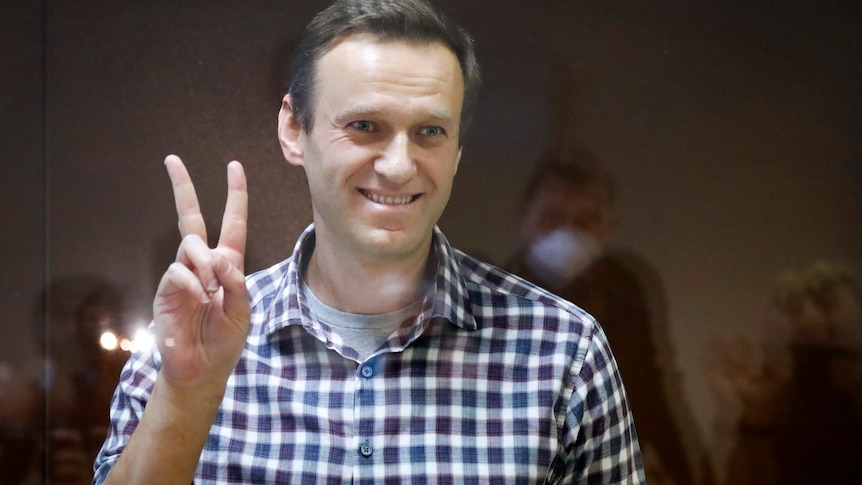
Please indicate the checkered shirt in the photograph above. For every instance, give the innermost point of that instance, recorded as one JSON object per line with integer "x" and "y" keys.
{"x": 496, "y": 381}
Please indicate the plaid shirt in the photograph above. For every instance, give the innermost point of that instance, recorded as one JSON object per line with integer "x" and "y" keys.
{"x": 496, "y": 381}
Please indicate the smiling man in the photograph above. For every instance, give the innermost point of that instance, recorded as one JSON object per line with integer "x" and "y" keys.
{"x": 376, "y": 352}
{"x": 380, "y": 163}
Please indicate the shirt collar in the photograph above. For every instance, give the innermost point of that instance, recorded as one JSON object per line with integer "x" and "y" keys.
{"x": 450, "y": 301}
{"x": 451, "y": 296}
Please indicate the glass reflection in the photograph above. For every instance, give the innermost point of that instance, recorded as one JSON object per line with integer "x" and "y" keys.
{"x": 20, "y": 425}
{"x": 87, "y": 328}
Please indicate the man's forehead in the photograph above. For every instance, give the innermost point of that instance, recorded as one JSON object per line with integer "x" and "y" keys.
{"x": 422, "y": 68}
{"x": 385, "y": 41}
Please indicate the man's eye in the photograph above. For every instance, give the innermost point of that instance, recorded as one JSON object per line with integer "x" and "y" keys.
{"x": 362, "y": 125}
{"x": 432, "y": 131}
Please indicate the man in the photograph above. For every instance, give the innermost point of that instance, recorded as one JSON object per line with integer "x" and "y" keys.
{"x": 376, "y": 353}
{"x": 566, "y": 228}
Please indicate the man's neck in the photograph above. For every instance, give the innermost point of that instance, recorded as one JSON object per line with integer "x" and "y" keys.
{"x": 364, "y": 286}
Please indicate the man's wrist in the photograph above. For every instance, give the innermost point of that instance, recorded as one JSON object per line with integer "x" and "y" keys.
{"x": 197, "y": 401}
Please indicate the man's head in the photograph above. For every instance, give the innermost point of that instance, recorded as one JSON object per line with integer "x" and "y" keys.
{"x": 387, "y": 112}
{"x": 574, "y": 192}
{"x": 567, "y": 217}
{"x": 412, "y": 21}
{"x": 820, "y": 303}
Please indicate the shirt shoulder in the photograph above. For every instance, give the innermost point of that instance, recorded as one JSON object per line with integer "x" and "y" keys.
{"x": 494, "y": 291}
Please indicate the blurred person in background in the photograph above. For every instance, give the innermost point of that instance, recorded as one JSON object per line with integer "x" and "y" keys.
{"x": 566, "y": 228}
{"x": 796, "y": 390}
{"x": 21, "y": 427}
{"x": 85, "y": 314}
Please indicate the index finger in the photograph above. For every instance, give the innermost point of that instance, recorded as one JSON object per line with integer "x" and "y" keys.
{"x": 234, "y": 225}
{"x": 189, "y": 217}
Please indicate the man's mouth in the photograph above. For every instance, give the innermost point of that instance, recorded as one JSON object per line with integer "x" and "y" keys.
{"x": 389, "y": 200}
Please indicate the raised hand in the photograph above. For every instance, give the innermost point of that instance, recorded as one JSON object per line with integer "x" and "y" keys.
{"x": 201, "y": 309}
{"x": 201, "y": 318}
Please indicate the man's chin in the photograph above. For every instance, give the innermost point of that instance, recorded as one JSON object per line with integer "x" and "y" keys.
{"x": 393, "y": 244}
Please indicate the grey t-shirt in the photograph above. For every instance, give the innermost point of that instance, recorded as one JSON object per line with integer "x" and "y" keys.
{"x": 366, "y": 333}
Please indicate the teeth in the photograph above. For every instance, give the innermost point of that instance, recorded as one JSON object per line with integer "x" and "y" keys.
{"x": 390, "y": 200}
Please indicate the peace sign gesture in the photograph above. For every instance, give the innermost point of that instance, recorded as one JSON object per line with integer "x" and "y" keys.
{"x": 201, "y": 318}
{"x": 201, "y": 309}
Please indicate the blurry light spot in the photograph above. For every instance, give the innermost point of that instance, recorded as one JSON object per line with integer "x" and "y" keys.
{"x": 142, "y": 340}
{"x": 108, "y": 341}
{"x": 126, "y": 345}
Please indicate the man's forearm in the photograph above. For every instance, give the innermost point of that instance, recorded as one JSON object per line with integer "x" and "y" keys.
{"x": 166, "y": 445}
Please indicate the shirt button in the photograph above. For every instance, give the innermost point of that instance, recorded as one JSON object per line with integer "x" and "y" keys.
{"x": 365, "y": 449}
{"x": 367, "y": 371}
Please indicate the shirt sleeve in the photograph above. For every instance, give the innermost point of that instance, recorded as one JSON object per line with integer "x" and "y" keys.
{"x": 602, "y": 445}
{"x": 127, "y": 406}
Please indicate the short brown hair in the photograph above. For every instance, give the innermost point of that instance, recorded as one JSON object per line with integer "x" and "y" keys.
{"x": 579, "y": 169}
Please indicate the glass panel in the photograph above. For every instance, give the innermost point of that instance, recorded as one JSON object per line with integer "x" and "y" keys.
{"x": 22, "y": 242}
{"x": 732, "y": 131}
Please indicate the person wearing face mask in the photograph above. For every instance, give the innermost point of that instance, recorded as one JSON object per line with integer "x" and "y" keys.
{"x": 564, "y": 237}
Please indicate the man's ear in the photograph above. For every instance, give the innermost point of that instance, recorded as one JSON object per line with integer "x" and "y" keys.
{"x": 289, "y": 131}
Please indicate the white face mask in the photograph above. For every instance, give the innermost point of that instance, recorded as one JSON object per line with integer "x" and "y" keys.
{"x": 561, "y": 255}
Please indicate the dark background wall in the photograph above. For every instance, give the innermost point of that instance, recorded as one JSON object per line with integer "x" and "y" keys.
{"x": 733, "y": 128}
{"x": 23, "y": 196}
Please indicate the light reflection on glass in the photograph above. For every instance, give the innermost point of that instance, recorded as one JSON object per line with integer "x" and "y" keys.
{"x": 140, "y": 340}
{"x": 108, "y": 341}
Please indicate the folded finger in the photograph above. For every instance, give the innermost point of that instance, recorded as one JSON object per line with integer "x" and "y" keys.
{"x": 179, "y": 278}
{"x": 195, "y": 255}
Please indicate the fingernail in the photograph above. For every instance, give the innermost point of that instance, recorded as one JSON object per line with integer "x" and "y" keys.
{"x": 205, "y": 297}
{"x": 221, "y": 266}
{"x": 213, "y": 287}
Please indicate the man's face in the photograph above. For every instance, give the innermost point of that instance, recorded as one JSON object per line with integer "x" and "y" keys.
{"x": 383, "y": 151}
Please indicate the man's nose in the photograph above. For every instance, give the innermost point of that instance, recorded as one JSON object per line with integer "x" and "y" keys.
{"x": 396, "y": 162}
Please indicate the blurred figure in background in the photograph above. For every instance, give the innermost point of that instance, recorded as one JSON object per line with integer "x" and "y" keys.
{"x": 85, "y": 316}
{"x": 798, "y": 389}
{"x": 21, "y": 411}
{"x": 566, "y": 227}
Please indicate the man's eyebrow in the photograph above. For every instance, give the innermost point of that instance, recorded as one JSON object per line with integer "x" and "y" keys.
{"x": 441, "y": 116}
{"x": 359, "y": 110}
{"x": 436, "y": 116}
